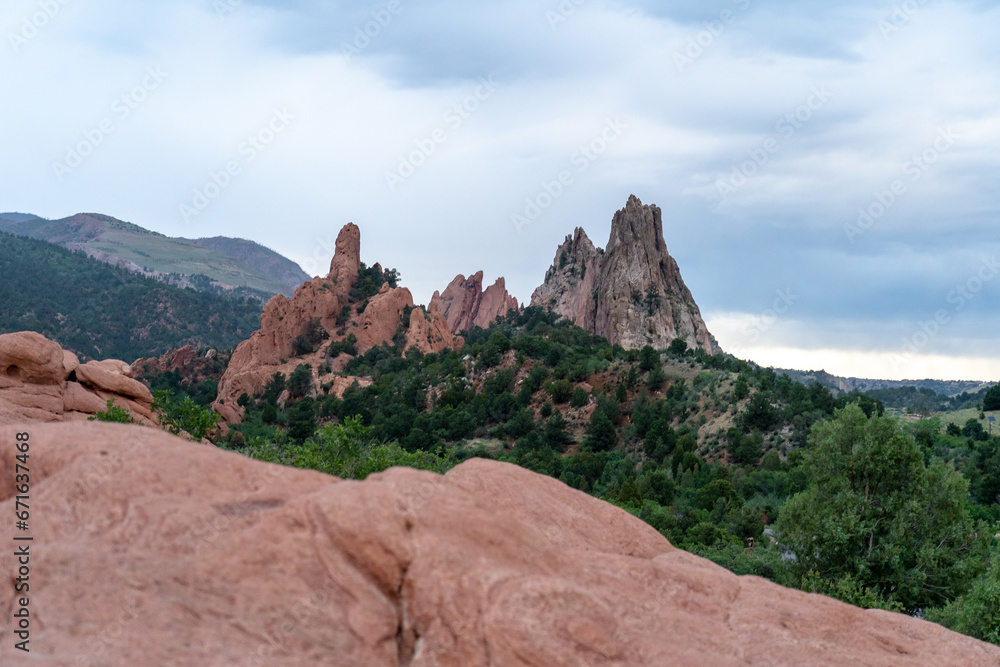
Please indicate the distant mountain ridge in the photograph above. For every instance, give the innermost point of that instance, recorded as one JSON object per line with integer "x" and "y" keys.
{"x": 17, "y": 217}
{"x": 221, "y": 265}
{"x": 843, "y": 385}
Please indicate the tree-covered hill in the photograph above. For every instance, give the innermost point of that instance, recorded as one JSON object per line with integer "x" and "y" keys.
{"x": 100, "y": 311}
{"x": 222, "y": 265}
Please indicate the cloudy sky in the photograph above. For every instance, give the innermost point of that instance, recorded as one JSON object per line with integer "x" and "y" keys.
{"x": 828, "y": 171}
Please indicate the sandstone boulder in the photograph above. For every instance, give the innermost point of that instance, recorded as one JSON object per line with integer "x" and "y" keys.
{"x": 113, "y": 377}
{"x": 159, "y": 551}
{"x": 30, "y": 357}
{"x": 631, "y": 293}
{"x": 70, "y": 363}
{"x": 41, "y": 382}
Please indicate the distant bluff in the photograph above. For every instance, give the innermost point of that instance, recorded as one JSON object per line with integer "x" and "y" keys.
{"x": 631, "y": 293}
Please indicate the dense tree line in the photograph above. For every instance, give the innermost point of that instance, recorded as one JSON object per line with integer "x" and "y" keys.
{"x": 100, "y": 311}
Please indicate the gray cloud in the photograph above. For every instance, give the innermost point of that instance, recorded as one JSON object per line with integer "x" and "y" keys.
{"x": 760, "y": 177}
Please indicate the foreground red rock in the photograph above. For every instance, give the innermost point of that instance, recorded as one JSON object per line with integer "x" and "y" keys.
{"x": 150, "y": 550}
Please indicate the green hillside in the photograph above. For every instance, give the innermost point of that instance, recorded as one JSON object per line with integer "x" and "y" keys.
{"x": 221, "y": 265}
{"x": 101, "y": 311}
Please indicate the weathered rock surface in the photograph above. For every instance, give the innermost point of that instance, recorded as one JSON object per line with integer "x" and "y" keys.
{"x": 159, "y": 551}
{"x": 41, "y": 382}
{"x": 271, "y": 349}
{"x": 466, "y": 305}
{"x": 631, "y": 293}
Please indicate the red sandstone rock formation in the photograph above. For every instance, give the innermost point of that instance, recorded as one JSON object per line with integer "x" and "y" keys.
{"x": 271, "y": 349}
{"x": 466, "y": 305}
{"x": 41, "y": 382}
{"x": 631, "y": 293}
{"x": 158, "y": 551}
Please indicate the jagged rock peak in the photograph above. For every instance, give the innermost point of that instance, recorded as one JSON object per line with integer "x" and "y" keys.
{"x": 632, "y": 293}
{"x": 465, "y": 304}
{"x": 323, "y": 309}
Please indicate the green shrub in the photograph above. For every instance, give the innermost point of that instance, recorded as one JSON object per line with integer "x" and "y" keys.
{"x": 977, "y": 613}
{"x": 115, "y": 414}
{"x": 348, "y": 345}
{"x": 560, "y": 390}
{"x": 579, "y": 398}
{"x": 185, "y": 415}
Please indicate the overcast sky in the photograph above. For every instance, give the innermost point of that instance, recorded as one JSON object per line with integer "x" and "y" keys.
{"x": 763, "y": 128}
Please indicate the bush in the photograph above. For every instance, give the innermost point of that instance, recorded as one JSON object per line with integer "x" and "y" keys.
{"x": 759, "y": 413}
{"x": 678, "y": 347}
{"x": 992, "y": 399}
{"x": 973, "y": 429}
{"x": 579, "y": 398}
{"x": 302, "y": 420}
{"x": 348, "y": 345}
{"x": 976, "y": 613}
{"x": 656, "y": 378}
{"x": 348, "y": 451}
{"x": 847, "y": 589}
{"x": 601, "y": 433}
{"x": 649, "y": 359}
{"x": 300, "y": 382}
{"x": 114, "y": 414}
{"x": 186, "y": 415}
{"x": 313, "y": 335}
{"x": 560, "y": 390}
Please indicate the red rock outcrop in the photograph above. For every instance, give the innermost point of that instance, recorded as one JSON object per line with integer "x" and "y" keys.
{"x": 41, "y": 382}
{"x": 465, "y": 305}
{"x": 159, "y": 551}
{"x": 428, "y": 330}
{"x": 631, "y": 293}
{"x": 271, "y": 349}
{"x": 192, "y": 367}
